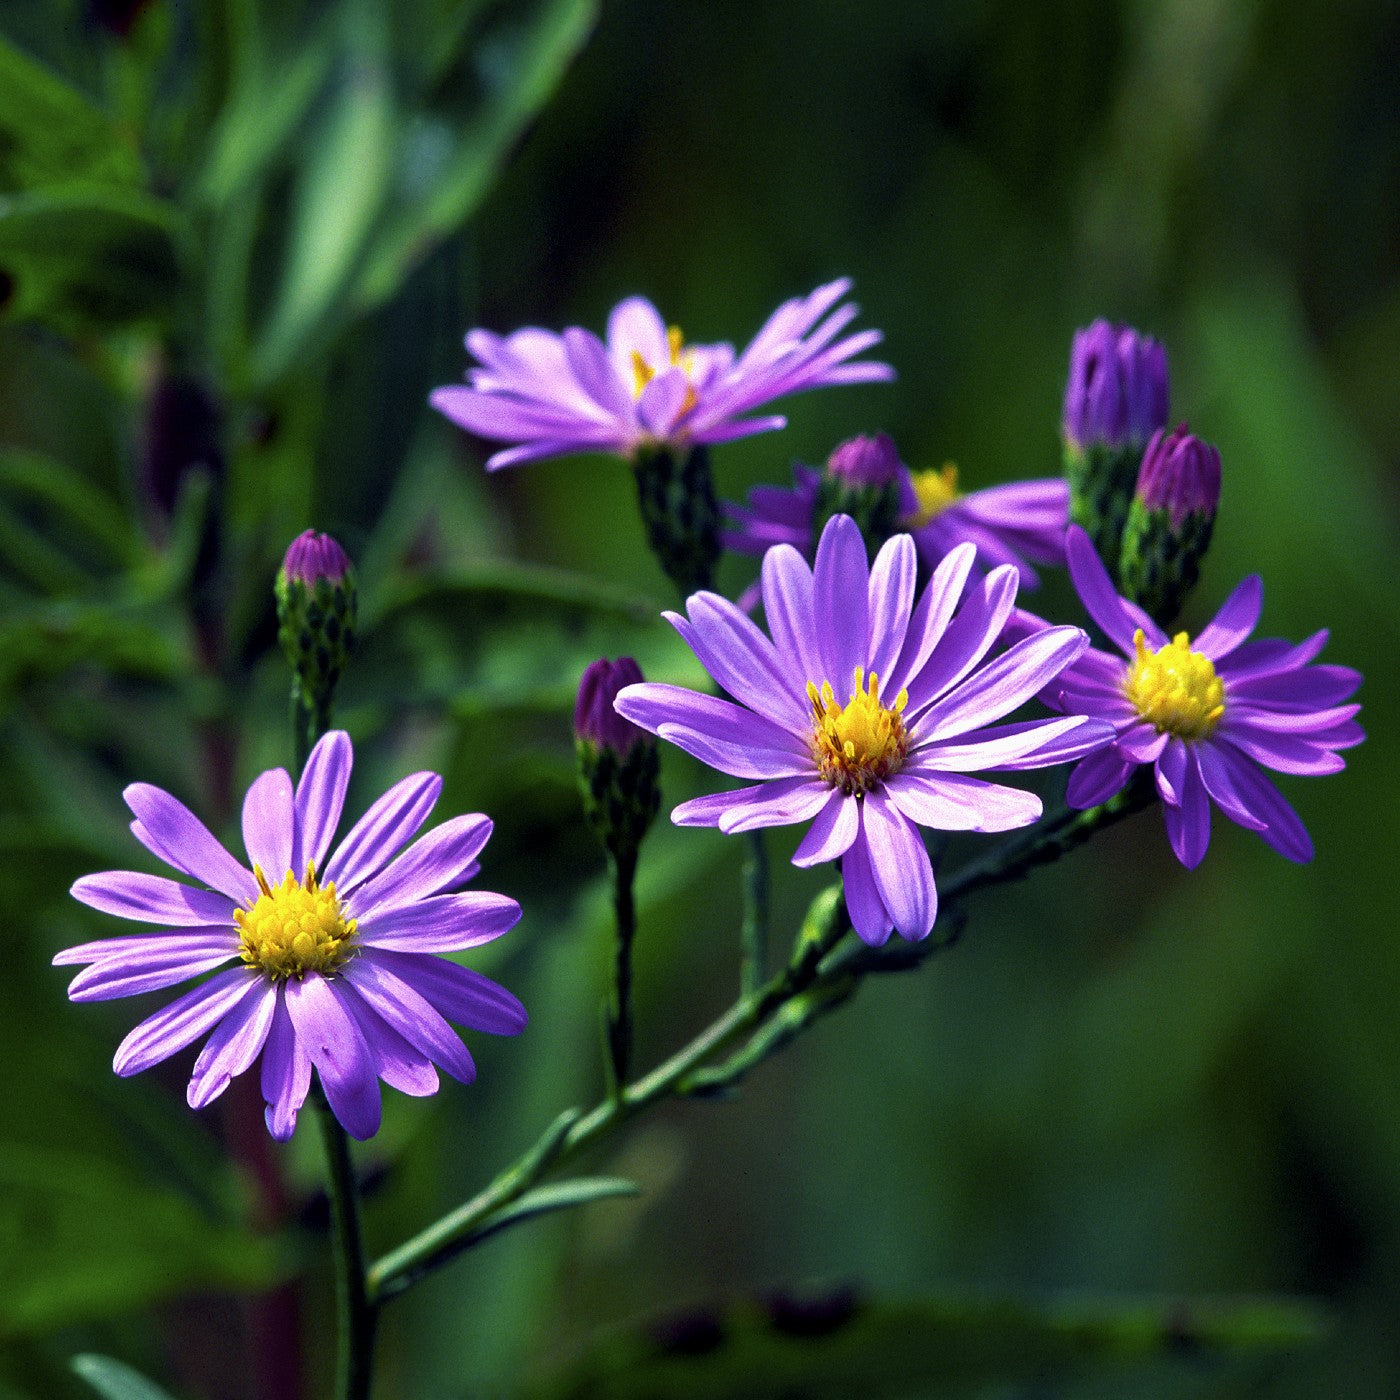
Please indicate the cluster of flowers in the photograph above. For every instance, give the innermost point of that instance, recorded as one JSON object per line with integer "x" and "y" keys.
{"x": 893, "y": 658}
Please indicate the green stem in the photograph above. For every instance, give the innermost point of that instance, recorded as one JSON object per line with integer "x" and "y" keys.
{"x": 356, "y": 1311}
{"x": 754, "y": 933}
{"x": 623, "y": 870}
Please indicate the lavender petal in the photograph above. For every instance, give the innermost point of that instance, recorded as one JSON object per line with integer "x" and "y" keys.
{"x": 443, "y": 923}
{"x": 268, "y": 823}
{"x": 441, "y": 860}
{"x": 185, "y": 1019}
{"x": 179, "y": 838}
{"x": 286, "y": 1072}
{"x": 237, "y": 1041}
{"x": 899, "y": 860}
{"x": 338, "y": 1049}
{"x": 840, "y": 582}
{"x": 131, "y": 895}
{"x": 412, "y": 1016}
{"x": 832, "y": 831}
{"x": 382, "y": 831}
{"x": 458, "y": 993}
{"x": 320, "y": 798}
{"x": 869, "y": 917}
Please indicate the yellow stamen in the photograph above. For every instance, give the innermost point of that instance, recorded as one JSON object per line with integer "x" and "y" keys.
{"x": 1175, "y": 688}
{"x": 294, "y": 928}
{"x": 643, "y": 372}
{"x": 936, "y": 491}
{"x": 862, "y": 742}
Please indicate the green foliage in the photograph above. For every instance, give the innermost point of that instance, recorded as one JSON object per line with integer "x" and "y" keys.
{"x": 115, "y": 1380}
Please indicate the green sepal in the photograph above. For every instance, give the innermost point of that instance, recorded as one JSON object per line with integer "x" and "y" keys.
{"x": 1160, "y": 563}
{"x": 875, "y": 509}
{"x": 1102, "y": 480}
{"x": 316, "y": 626}
{"x": 676, "y": 496}
{"x": 621, "y": 792}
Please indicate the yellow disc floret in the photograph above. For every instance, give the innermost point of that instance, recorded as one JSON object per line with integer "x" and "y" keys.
{"x": 936, "y": 491}
{"x": 294, "y": 928}
{"x": 643, "y": 372}
{"x": 1175, "y": 688}
{"x": 862, "y": 742}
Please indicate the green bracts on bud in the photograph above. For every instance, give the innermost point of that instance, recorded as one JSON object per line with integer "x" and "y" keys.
{"x": 874, "y": 508}
{"x": 621, "y": 793}
{"x": 676, "y": 496}
{"x": 1161, "y": 562}
{"x": 1101, "y": 481}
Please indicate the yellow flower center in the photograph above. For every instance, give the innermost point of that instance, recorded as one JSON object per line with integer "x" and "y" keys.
{"x": 936, "y": 490}
{"x": 1175, "y": 688}
{"x": 294, "y": 928}
{"x": 857, "y": 744}
{"x": 643, "y": 372}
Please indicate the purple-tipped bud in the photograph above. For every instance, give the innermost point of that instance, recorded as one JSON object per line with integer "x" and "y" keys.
{"x": 1180, "y": 474}
{"x": 865, "y": 461}
{"x": 1117, "y": 392}
{"x": 312, "y": 557}
{"x": 595, "y": 720}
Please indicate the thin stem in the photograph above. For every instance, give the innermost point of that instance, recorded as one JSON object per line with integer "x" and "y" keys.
{"x": 623, "y": 870}
{"x": 356, "y": 1312}
{"x": 302, "y": 728}
{"x": 754, "y": 933}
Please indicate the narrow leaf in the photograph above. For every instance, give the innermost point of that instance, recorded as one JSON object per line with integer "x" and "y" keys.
{"x": 115, "y": 1380}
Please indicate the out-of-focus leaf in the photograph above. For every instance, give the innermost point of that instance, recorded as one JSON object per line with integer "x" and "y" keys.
{"x": 545, "y": 1200}
{"x": 450, "y": 154}
{"x": 73, "y": 504}
{"x": 80, "y": 1240}
{"x": 50, "y": 132}
{"x": 842, "y": 1345}
{"x": 115, "y": 1380}
{"x": 87, "y": 255}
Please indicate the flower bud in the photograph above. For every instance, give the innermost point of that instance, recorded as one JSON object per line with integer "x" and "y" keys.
{"x": 1169, "y": 522}
{"x": 316, "y": 605}
{"x": 618, "y": 763}
{"x": 676, "y": 497}
{"x": 1116, "y": 397}
{"x": 863, "y": 479}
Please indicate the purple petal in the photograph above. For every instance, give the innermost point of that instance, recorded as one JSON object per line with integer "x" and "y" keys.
{"x": 1282, "y": 752}
{"x": 441, "y": 860}
{"x": 707, "y": 810}
{"x": 1034, "y": 743}
{"x": 1188, "y": 820}
{"x": 379, "y": 834}
{"x": 410, "y": 1013}
{"x": 932, "y": 614}
{"x": 179, "y": 838}
{"x": 869, "y": 917}
{"x": 831, "y": 832}
{"x": 663, "y": 402}
{"x": 901, "y": 866}
{"x": 268, "y": 824}
{"x": 955, "y": 802}
{"x": 1221, "y": 786}
{"x": 396, "y": 1062}
{"x": 321, "y": 798}
{"x": 1314, "y": 687}
{"x": 1171, "y": 771}
{"x": 1237, "y": 618}
{"x": 1270, "y": 656}
{"x": 153, "y": 963}
{"x": 186, "y": 1019}
{"x": 286, "y": 1072}
{"x": 1097, "y": 778}
{"x": 635, "y": 324}
{"x": 737, "y": 428}
{"x": 787, "y": 605}
{"x": 1098, "y": 595}
{"x": 457, "y": 992}
{"x": 840, "y": 582}
{"x": 892, "y": 579}
{"x": 339, "y": 1051}
{"x": 779, "y": 803}
{"x": 205, "y": 940}
{"x": 130, "y": 895}
{"x": 443, "y": 923}
{"x": 237, "y": 1041}
{"x": 597, "y": 373}
{"x": 1142, "y": 742}
{"x": 1283, "y": 830}
{"x": 967, "y": 640}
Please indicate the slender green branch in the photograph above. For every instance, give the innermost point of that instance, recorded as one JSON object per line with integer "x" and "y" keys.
{"x": 623, "y": 870}
{"x": 754, "y": 934}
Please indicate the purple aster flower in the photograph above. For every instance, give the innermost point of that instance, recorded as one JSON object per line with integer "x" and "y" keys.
{"x": 1020, "y": 523}
{"x": 865, "y": 712}
{"x": 552, "y": 394}
{"x": 1210, "y": 714}
{"x": 1117, "y": 391}
{"x": 333, "y": 961}
{"x": 312, "y": 557}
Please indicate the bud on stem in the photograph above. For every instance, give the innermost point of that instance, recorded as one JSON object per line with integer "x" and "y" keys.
{"x": 676, "y": 497}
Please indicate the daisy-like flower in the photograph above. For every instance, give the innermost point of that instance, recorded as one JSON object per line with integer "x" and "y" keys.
{"x": 1020, "y": 523}
{"x": 553, "y": 394}
{"x": 332, "y": 963}
{"x": 865, "y": 713}
{"x": 1209, "y": 714}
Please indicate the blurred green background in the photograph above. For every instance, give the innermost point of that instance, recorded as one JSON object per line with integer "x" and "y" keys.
{"x": 239, "y": 243}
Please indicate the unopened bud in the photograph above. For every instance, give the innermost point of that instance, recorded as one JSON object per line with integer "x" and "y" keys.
{"x": 316, "y": 606}
{"x": 618, "y": 763}
{"x": 863, "y": 479}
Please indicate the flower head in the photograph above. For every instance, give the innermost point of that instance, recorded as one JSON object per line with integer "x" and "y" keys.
{"x": 866, "y": 461}
{"x": 312, "y": 557}
{"x": 322, "y": 959}
{"x": 1210, "y": 713}
{"x": 865, "y": 712}
{"x": 1117, "y": 390}
{"x": 1180, "y": 474}
{"x": 618, "y": 766}
{"x": 595, "y": 720}
{"x": 553, "y": 394}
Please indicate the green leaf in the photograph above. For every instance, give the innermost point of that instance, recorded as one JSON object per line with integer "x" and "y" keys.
{"x": 50, "y": 132}
{"x": 86, "y": 255}
{"x": 115, "y": 1380}
{"x": 545, "y": 1200}
{"x": 840, "y": 1345}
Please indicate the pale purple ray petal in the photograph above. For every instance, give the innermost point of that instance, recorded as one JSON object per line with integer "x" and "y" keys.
{"x": 339, "y": 1051}
{"x": 840, "y": 581}
{"x": 781, "y": 803}
{"x": 502, "y": 418}
{"x": 741, "y": 759}
{"x": 379, "y": 834}
{"x": 706, "y": 811}
{"x": 955, "y": 802}
{"x": 147, "y": 968}
{"x": 1171, "y": 771}
{"x": 185, "y": 1019}
{"x": 787, "y": 606}
{"x": 1220, "y": 785}
{"x": 901, "y": 866}
{"x": 396, "y": 1062}
{"x": 832, "y": 831}
{"x": 1188, "y": 821}
{"x": 286, "y": 1072}
{"x": 1282, "y": 752}
{"x": 663, "y": 401}
{"x": 1283, "y": 830}
{"x": 441, "y": 924}
{"x": 1142, "y": 742}
{"x": 1316, "y": 726}
{"x": 237, "y": 1041}
{"x": 1237, "y": 618}
{"x": 1270, "y": 656}
{"x": 597, "y": 375}
{"x": 1034, "y": 743}
{"x": 1308, "y": 688}
{"x": 412, "y": 1015}
{"x": 1002, "y": 685}
{"x": 736, "y": 428}
{"x": 131, "y": 895}
{"x": 179, "y": 838}
{"x": 458, "y": 993}
{"x": 892, "y": 579}
{"x": 792, "y": 320}
{"x": 206, "y": 939}
{"x": 443, "y": 859}
{"x": 968, "y": 638}
{"x": 635, "y": 324}
{"x": 320, "y": 798}
{"x": 932, "y": 614}
{"x": 869, "y": 917}
{"x": 552, "y": 447}
{"x": 1097, "y": 778}
{"x": 268, "y": 824}
{"x": 1097, "y": 593}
